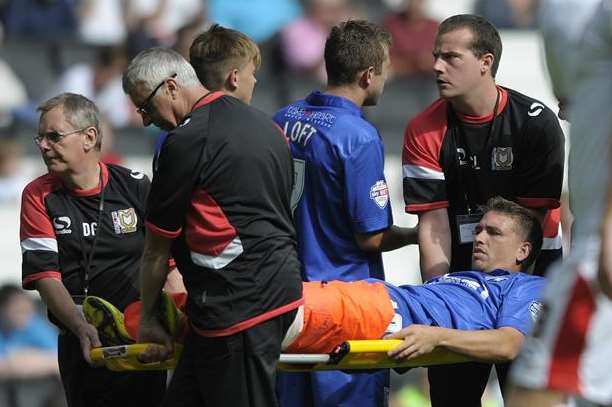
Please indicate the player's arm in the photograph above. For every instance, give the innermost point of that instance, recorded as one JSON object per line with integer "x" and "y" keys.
{"x": 424, "y": 185}
{"x": 386, "y": 240}
{"x": 153, "y": 273}
{"x": 492, "y": 345}
{"x": 434, "y": 239}
{"x": 60, "y": 303}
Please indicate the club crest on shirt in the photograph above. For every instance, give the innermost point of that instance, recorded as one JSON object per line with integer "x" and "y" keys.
{"x": 502, "y": 158}
{"x": 125, "y": 221}
{"x": 379, "y": 193}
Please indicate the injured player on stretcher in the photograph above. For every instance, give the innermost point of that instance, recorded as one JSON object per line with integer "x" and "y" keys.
{"x": 483, "y": 314}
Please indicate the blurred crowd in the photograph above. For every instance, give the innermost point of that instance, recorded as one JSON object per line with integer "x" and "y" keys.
{"x": 83, "y": 46}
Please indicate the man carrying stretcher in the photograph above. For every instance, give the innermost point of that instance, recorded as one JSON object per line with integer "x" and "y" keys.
{"x": 483, "y": 314}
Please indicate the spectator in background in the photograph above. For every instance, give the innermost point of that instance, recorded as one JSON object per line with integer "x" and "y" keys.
{"x": 258, "y": 19}
{"x": 12, "y": 180}
{"x": 101, "y": 82}
{"x": 28, "y": 344}
{"x": 13, "y": 95}
{"x": 507, "y": 14}
{"x": 413, "y": 39}
{"x": 156, "y": 22}
{"x": 102, "y": 22}
{"x": 303, "y": 40}
{"x": 43, "y": 20}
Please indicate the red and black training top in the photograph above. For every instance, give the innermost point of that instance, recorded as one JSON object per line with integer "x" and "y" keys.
{"x": 221, "y": 188}
{"x": 456, "y": 161}
{"x": 58, "y": 226}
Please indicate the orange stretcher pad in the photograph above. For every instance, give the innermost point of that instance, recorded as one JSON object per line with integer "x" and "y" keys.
{"x": 363, "y": 354}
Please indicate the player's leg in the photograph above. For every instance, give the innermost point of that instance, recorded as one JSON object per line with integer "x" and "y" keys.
{"x": 293, "y": 389}
{"x": 336, "y": 388}
{"x": 458, "y": 385}
{"x": 184, "y": 389}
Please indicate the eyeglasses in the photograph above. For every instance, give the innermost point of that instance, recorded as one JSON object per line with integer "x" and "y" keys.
{"x": 54, "y": 136}
{"x": 144, "y": 108}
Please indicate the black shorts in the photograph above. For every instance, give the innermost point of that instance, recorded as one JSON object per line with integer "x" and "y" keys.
{"x": 235, "y": 370}
{"x": 99, "y": 387}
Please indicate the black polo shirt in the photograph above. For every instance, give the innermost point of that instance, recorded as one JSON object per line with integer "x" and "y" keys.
{"x": 58, "y": 227}
{"x": 221, "y": 188}
{"x": 458, "y": 162}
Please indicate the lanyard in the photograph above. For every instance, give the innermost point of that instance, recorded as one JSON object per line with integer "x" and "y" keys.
{"x": 470, "y": 203}
{"x": 88, "y": 258}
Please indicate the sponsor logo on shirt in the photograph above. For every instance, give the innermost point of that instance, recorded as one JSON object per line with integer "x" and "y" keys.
{"x": 62, "y": 225}
{"x": 502, "y": 158}
{"x": 136, "y": 175}
{"x": 379, "y": 193}
{"x": 125, "y": 221}
{"x": 535, "y": 109}
{"x": 325, "y": 119}
{"x": 462, "y": 281}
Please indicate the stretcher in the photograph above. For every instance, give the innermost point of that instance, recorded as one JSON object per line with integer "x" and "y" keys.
{"x": 350, "y": 355}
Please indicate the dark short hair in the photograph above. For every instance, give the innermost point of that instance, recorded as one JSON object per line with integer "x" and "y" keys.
{"x": 527, "y": 225}
{"x": 485, "y": 40}
{"x": 218, "y": 50}
{"x": 353, "y": 46}
{"x": 79, "y": 112}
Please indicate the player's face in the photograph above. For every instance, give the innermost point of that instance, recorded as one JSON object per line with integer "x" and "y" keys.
{"x": 378, "y": 81}
{"x": 246, "y": 82}
{"x": 497, "y": 244}
{"x": 61, "y": 145}
{"x": 458, "y": 71}
{"x": 153, "y": 106}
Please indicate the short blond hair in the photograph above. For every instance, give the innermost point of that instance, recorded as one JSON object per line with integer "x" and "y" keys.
{"x": 217, "y": 51}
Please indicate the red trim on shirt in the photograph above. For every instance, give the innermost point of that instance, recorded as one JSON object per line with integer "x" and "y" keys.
{"x": 412, "y": 208}
{"x": 571, "y": 340}
{"x": 537, "y": 203}
{"x": 503, "y": 101}
{"x": 162, "y": 232}
{"x": 424, "y": 135}
{"x": 98, "y": 188}
{"x": 35, "y": 221}
{"x": 207, "y": 99}
{"x": 41, "y": 276}
{"x": 207, "y": 229}
{"x": 249, "y": 323}
{"x": 550, "y": 225}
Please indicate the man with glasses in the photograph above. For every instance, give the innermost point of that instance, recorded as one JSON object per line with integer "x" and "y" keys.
{"x": 220, "y": 199}
{"x": 82, "y": 232}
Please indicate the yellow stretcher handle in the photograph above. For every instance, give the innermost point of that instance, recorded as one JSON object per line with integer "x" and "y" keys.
{"x": 125, "y": 357}
{"x": 372, "y": 354}
{"x": 362, "y": 354}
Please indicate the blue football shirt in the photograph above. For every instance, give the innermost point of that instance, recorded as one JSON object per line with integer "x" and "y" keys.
{"x": 340, "y": 188}
{"x": 471, "y": 300}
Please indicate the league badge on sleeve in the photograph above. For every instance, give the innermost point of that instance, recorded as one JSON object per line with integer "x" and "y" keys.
{"x": 379, "y": 193}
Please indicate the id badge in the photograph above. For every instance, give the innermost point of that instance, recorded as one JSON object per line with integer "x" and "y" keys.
{"x": 466, "y": 225}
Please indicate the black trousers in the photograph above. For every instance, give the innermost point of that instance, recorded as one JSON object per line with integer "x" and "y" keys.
{"x": 462, "y": 384}
{"x": 237, "y": 370}
{"x": 88, "y": 386}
